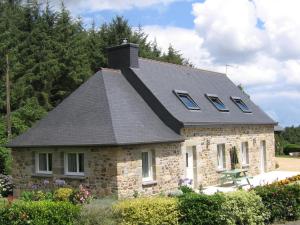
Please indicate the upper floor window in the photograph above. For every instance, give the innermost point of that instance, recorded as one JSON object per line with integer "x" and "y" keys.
{"x": 187, "y": 100}
{"x": 147, "y": 170}
{"x": 74, "y": 164}
{"x": 241, "y": 104}
{"x": 43, "y": 162}
{"x": 245, "y": 153}
{"x": 215, "y": 100}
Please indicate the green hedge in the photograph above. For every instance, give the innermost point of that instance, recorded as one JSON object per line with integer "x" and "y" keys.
{"x": 282, "y": 201}
{"x": 152, "y": 211}
{"x": 39, "y": 213}
{"x": 290, "y": 148}
{"x": 202, "y": 209}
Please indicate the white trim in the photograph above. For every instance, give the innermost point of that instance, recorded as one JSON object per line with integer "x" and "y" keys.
{"x": 150, "y": 166}
{"x": 37, "y": 163}
{"x": 77, "y": 164}
{"x": 221, "y": 158}
{"x": 245, "y": 158}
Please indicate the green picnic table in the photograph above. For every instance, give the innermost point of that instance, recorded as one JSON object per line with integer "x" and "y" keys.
{"x": 236, "y": 176}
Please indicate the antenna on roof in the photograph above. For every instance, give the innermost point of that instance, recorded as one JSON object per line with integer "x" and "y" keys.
{"x": 124, "y": 41}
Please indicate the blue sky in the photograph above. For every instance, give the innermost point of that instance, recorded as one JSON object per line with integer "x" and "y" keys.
{"x": 258, "y": 38}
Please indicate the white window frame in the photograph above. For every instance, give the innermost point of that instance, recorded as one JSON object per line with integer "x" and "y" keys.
{"x": 77, "y": 164}
{"x": 37, "y": 163}
{"x": 150, "y": 169}
{"x": 245, "y": 153}
{"x": 221, "y": 158}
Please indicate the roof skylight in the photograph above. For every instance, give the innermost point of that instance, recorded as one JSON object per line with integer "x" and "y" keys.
{"x": 187, "y": 100}
{"x": 241, "y": 104}
{"x": 215, "y": 100}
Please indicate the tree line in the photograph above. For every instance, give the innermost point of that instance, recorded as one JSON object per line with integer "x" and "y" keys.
{"x": 51, "y": 54}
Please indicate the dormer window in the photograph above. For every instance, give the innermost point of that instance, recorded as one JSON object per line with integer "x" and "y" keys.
{"x": 214, "y": 99}
{"x": 241, "y": 104}
{"x": 187, "y": 100}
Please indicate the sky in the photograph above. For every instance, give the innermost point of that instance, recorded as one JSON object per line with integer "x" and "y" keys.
{"x": 257, "y": 39}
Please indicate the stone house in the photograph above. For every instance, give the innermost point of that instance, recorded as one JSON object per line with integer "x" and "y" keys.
{"x": 141, "y": 126}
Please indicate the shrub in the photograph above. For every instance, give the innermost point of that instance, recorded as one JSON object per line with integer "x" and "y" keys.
{"x": 202, "y": 209}
{"x": 243, "y": 207}
{"x": 98, "y": 212}
{"x": 283, "y": 201}
{"x": 185, "y": 189}
{"x": 63, "y": 194}
{"x": 81, "y": 196}
{"x": 6, "y": 185}
{"x": 154, "y": 211}
{"x": 36, "y": 195}
{"x": 289, "y": 148}
{"x": 39, "y": 213}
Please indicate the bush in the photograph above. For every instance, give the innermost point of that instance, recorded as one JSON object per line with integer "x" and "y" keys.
{"x": 36, "y": 195}
{"x": 81, "y": 196}
{"x": 291, "y": 148}
{"x": 63, "y": 194}
{"x": 154, "y": 211}
{"x": 185, "y": 189}
{"x": 6, "y": 185}
{"x": 202, "y": 209}
{"x": 39, "y": 213}
{"x": 244, "y": 207}
{"x": 283, "y": 201}
{"x": 98, "y": 212}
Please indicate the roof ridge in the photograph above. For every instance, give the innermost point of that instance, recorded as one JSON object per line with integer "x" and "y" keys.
{"x": 188, "y": 67}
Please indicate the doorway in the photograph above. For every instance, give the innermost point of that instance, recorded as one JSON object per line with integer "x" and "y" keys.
{"x": 263, "y": 156}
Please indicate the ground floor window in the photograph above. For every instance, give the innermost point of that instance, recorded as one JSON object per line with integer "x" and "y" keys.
{"x": 43, "y": 162}
{"x": 74, "y": 163}
{"x": 245, "y": 153}
{"x": 221, "y": 156}
{"x": 147, "y": 170}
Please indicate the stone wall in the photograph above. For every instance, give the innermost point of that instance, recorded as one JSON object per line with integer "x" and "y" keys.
{"x": 108, "y": 171}
{"x": 205, "y": 142}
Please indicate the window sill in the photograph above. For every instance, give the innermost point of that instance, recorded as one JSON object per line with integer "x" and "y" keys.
{"x": 245, "y": 166}
{"x": 42, "y": 175}
{"x": 220, "y": 170}
{"x": 75, "y": 177}
{"x": 149, "y": 183}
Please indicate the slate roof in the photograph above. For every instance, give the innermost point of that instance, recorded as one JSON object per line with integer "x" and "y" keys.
{"x": 105, "y": 110}
{"x": 137, "y": 106}
{"x": 162, "y": 78}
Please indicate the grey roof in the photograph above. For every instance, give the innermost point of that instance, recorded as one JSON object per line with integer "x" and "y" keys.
{"x": 162, "y": 78}
{"x": 278, "y": 128}
{"x": 105, "y": 110}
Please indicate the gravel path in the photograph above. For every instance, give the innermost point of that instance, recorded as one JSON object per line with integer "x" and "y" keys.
{"x": 289, "y": 223}
{"x": 288, "y": 164}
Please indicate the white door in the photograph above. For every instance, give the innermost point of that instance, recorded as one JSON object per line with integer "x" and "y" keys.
{"x": 263, "y": 156}
{"x": 189, "y": 163}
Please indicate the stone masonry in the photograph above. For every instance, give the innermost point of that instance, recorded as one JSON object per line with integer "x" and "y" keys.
{"x": 118, "y": 170}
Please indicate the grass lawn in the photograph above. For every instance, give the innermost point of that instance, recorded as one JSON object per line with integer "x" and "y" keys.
{"x": 287, "y": 163}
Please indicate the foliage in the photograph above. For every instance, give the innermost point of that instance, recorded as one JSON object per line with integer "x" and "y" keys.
{"x": 37, "y": 195}
{"x": 292, "y": 135}
{"x": 39, "y": 213}
{"x": 6, "y": 185}
{"x": 62, "y": 194}
{"x": 282, "y": 201}
{"x": 81, "y": 196}
{"x": 98, "y": 212}
{"x": 153, "y": 210}
{"x": 280, "y": 142}
{"x": 244, "y": 207}
{"x": 186, "y": 189}
{"x": 289, "y": 148}
{"x": 234, "y": 160}
{"x": 202, "y": 209}
{"x": 288, "y": 180}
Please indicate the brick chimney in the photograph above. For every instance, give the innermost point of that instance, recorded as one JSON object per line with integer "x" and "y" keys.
{"x": 123, "y": 56}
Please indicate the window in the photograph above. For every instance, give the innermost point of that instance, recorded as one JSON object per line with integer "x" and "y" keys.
{"x": 187, "y": 100}
{"x": 241, "y": 104}
{"x": 74, "y": 164}
{"x": 221, "y": 156}
{"x": 43, "y": 162}
{"x": 214, "y": 99}
{"x": 147, "y": 166}
{"x": 245, "y": 153}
